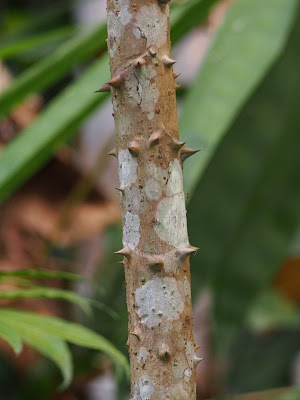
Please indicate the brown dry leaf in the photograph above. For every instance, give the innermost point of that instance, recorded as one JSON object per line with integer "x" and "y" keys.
{"x": 287, "y": 281}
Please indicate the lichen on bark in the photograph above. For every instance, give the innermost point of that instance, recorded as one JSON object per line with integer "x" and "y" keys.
{"x": 156, "y": 246}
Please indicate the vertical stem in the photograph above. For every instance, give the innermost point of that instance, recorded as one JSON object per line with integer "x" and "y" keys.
{"x": 156, "y": 246}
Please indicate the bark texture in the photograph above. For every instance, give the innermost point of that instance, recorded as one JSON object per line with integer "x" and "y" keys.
{"x": 150, "y": 156}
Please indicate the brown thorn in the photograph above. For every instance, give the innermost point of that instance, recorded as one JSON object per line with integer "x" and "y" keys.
{"x": 187, "y": 152}
{"x": 104, "y": 88}
{"x": 124, "y": 252}
{"x": 168, "y": 61}
{"x": 177, "y": 86}
{"x": 113, "y": 153}
{"x": 176, "y": 144}
{"x": 154, "y": 138}
{"x": 175, "y": 76}
{"x": 134, "y": 148}
{"x": 116, "y": 81}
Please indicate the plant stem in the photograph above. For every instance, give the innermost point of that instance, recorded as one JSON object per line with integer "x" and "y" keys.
{"x": 150, "y": 156}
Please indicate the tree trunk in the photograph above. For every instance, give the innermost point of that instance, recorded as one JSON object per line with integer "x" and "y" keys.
{"x": 150, "y": 156}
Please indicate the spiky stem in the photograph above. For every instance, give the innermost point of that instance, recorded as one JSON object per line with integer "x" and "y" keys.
{"x": 156, "y": 246}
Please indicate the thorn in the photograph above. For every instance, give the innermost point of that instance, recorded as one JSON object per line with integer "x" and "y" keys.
{"x": 116, "y": 81}
{"x": 187, "y": 152}
{"x": 175, "y": 76}
{"x": 154, "y": 138}
{"x": 120, "y": 190}
{"x": 139, "y": 62}
{"x": 184, "y": 252}
{"x": 176, "y": 144}
{"x": 104, "y": 88}
{"x": 121, "y": 262}
{"x": 113, "y": 152}
{"x": 124, "y": 252}
{"x": 134, "y": 148}
{"x": 197, "y": 360}
{"x": 197, "y": 347}
{"x": 164, "y": 352}
{"x": 152, "y": 52}
{"x": 156, "y": 264}
{"x": 177, "y": 86}
{"x": 168, "y": 61}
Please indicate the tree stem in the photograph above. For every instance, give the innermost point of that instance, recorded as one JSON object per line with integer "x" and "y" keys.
{"x": 150, "y": 156}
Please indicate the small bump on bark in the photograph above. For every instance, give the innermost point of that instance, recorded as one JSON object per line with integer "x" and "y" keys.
{"x": 134, "y": 149}
{"x": 164, "y": 352}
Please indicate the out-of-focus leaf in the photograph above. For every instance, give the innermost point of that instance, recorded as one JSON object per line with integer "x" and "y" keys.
{"x": 273, "y": 311}
{"x": 11, "y": 336}
{"x": 21, "y": 46}
{"x": 21, "y": 157}
{"x": 44, "y": 292}
{"x": 53, "y": 67}
{"x": 41, "y": 274}
{"x": 31, "y": 149}
{"x": 68, "y": 331}
{"x": 245, "y": 46}
{"x": 248, "y": 202}
{"x": 273, "y": 394}
{"x": 188, "y": 14}
{"x": 51, "y": 347}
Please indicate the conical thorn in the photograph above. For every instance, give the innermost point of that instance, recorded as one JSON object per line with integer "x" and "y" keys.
{"x": 168, "y": 61}
{"x": 113, "y": 153}
{"x": 176, "y": 144}
{"x": 139, "y": 62}
{"x": 197, "y": 347}
{"x": 134, "y": 148}
{"x": 197, "y": 360}
{"x": 187, "y": 152}
{"x": 116, "y": 81}
{"x": 175, "y": 76}
{"x": 124, "y": 252}
{"x": 177, "y": 86}
{"x": 104, "y": 88}
{"x": 152, "y": 51}
{"x": 154, "y": 138}
{"x": 184, "y": 252}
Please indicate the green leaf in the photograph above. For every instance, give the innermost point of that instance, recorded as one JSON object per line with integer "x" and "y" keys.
{"x": 29, "y": 150}
{"x": 34, "y": 145}
{"x": 21, "y": 46}
{"x": 51, "y": 347}
{"x": 41, "y": 274}
{"x": 186, "y": 15}
{"x": 248, "y": 201}
{"x": 68, "y": 331}
{"x": 270, "y": 310}
{"x": 11, "y": 336}
{"x": 53, "y": 67}
{"x": 44, "y": 292}
{"x": 245, "y": 46}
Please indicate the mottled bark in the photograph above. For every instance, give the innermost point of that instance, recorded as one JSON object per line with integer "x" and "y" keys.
{"x": 150, "y": 156}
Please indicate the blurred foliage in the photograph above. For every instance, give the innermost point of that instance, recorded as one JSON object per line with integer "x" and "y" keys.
{"x": 244, "y": 212}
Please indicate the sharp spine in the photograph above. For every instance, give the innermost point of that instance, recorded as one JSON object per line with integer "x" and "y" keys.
{"x": 116, "y": 81}
{"x": 175, "y": 76}
{"x": 187, "y": 152}
{"x": 184, "y": 252}
{"x": 177, "y": 86}
{"x": 134, "y": 148}
{"x": 124, "y": 252}
{"x": 104, "y": 88}
{"x": 113, "y": 153}
{"x": 176, "y": 144}
{"x": 197, "y": 361}
{"x": 168, "y": 61}
{"x": 154, "y": 138}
